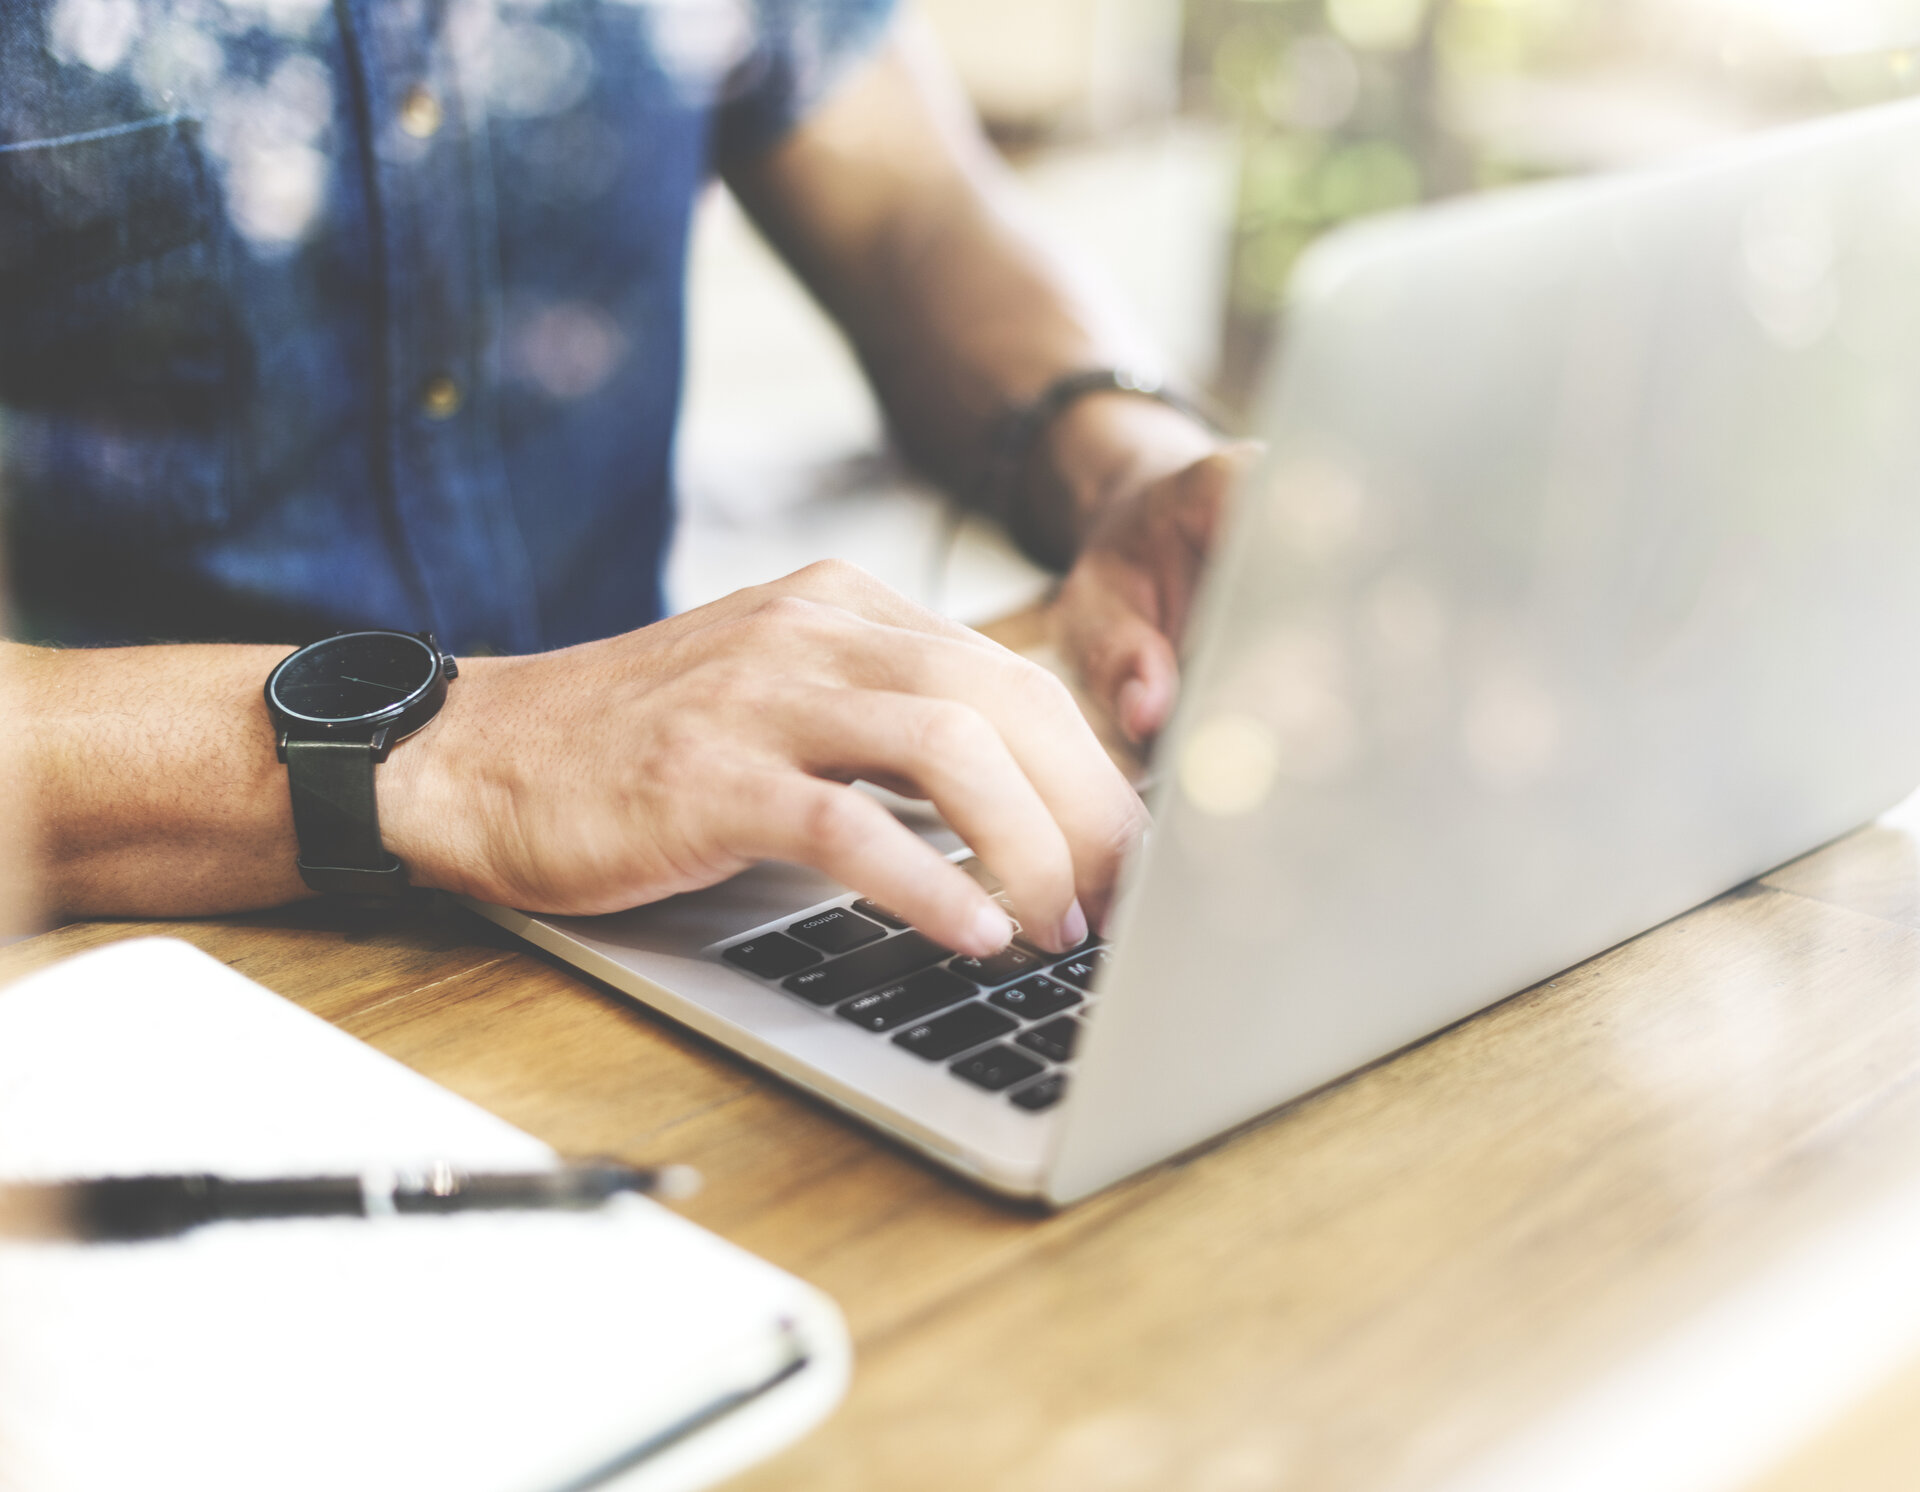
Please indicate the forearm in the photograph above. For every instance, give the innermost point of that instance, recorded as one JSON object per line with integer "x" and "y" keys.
{"x": 1007, "y": 322}
{"x": 602, "y": 776}
{"x": 896, "y": 213}
{"x": 151, "y": 778}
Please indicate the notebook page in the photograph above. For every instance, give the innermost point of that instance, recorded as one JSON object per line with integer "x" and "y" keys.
{"x": 511, "y": 1351}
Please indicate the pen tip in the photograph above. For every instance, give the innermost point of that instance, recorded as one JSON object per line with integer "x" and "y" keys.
{"x": 676, "y": 1183}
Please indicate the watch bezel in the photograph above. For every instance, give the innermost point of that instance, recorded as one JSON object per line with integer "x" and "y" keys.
{"x": 396, "y": 720}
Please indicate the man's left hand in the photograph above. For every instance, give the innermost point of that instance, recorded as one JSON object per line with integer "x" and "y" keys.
{"x": 1123, "y": 610}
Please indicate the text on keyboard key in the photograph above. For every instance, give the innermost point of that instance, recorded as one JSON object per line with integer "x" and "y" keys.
{"x": 861, "y": 970}
{"x": 836, "y": 930}
{"x": 995, "y": 1068}
{"x": 867, "y": 907}
{"x": 1082, "y": 969}
{"x": 770, "y": 955}
{"x": 1036, "y": 998}
{"x": 950, "y": 1034}
{"x": 906, "y": 1000}
{"x": 1009, "y": 963}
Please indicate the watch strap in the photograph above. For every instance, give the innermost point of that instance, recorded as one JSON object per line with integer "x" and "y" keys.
{"x": 1019, "y": 430}
{"x": 337, "y": 820}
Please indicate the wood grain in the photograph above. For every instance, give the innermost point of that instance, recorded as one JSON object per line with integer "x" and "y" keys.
{"x": 1360, "y": 1292}
{"x": 1356, "y": 1293}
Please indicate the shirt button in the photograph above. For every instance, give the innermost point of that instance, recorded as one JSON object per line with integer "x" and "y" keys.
{"x": 420, "y": 113}
{"x": 440, "y": 397}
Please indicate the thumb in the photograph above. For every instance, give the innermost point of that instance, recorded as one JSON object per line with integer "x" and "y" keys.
{"x": 1126, "y": 660}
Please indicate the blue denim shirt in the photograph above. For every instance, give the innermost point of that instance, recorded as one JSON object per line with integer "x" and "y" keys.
{"x": 322, "y": 313}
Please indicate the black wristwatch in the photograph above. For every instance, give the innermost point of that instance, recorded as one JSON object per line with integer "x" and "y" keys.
{"x": 339, "y": 706}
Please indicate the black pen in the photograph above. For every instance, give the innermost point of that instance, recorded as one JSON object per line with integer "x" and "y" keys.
{"x": 128, "y": 1208}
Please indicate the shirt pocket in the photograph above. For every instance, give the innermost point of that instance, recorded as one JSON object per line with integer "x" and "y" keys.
{"x": 117, "y": 343}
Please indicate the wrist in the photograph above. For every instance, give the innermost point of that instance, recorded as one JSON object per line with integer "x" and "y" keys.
{"x": 1102, "y": 450}
{"x": 1111, "y": 445}
{"x": 434, "y": 791}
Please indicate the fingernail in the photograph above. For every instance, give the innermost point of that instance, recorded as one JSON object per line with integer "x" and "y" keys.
{"x": 1072, "y": 931}
{"x": 991, "y": 930}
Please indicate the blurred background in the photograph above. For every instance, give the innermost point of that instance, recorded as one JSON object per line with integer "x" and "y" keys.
{"x": 1185, "y": 154}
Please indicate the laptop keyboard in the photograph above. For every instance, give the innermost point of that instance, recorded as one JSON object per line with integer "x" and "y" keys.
{"x": 1007, "y": 1024}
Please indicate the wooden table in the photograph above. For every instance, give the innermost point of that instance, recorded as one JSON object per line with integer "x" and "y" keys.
{"x": 1361, "y": 1292}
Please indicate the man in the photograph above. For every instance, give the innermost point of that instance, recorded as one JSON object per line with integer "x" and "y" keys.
{"x": 367, "y": 313}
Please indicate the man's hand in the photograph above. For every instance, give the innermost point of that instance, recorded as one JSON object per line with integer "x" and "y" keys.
{"x": 1144, "y": 490}
{"x": 1123, "y": 610}
{"x": 896, "y": 212}
{"x": 622, "y": 771}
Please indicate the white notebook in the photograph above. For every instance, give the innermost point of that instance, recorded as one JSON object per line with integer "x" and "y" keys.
{"x": 523, "y": 1352}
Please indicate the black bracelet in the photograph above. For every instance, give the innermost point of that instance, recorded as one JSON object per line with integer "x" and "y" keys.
{"x": 1016, "y": 433}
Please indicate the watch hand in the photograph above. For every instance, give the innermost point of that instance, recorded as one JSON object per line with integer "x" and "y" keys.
{"x": 375, "y": 684}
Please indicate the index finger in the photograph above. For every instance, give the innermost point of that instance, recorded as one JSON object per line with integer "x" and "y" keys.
{"x": 1035, "y": 714}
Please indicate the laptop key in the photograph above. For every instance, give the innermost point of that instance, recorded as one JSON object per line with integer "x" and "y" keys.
{"x": 864, "y": 968}
{"x": 836, "y": 931}
{"x": 1082, "y": 969}
{"x": 1054, "y": 1041}
{"x": 1043, "y": 1094}
{"x": 950, "y": 1034}
{"x": 895, "y": 1004}
{"x": 1010, "y": 963}
{"x": 770, "y": 955}
{"x": 996, "y": 1068}
{"x": 1034, "y": 999}
{"x": 868, "y": 907}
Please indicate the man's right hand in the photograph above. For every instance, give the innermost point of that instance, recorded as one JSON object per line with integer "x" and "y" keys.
{"x": 619, "y": 772}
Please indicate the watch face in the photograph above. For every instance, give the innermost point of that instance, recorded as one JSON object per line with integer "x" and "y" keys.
{"x": 354, "y": 677}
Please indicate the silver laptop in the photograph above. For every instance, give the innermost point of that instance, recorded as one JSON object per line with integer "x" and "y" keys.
{"x": 1581, "y": 584}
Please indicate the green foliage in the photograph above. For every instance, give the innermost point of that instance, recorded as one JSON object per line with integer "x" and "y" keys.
{"x": 1351, "y": 107}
